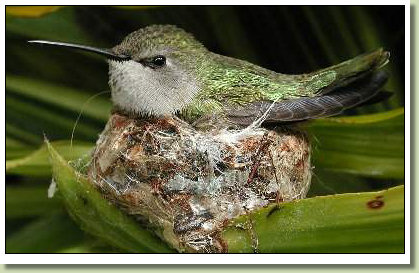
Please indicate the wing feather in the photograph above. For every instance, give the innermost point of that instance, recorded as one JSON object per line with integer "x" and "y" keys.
{"x": 324, "y": 105}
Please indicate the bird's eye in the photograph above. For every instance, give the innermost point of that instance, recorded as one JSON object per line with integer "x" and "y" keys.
{"x": 154, "y": 62}
{"x": 159, "y": 61}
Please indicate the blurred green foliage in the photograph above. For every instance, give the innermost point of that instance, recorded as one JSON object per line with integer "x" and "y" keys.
{"x": 47, "y": 89}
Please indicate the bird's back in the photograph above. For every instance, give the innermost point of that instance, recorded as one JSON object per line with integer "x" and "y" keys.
{"x": 239, "y": 88}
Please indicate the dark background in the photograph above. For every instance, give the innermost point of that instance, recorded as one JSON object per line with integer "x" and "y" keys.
{"x": 286, "y": 39}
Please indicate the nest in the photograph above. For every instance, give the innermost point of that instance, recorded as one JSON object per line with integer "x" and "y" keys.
{"x": 187, "y": 183}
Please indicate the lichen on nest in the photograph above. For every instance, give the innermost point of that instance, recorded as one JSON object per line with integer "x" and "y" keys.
{"x": 188, "y": 183}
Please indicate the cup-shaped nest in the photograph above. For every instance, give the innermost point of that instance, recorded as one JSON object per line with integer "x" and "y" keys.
{"x": 187, "y": 183}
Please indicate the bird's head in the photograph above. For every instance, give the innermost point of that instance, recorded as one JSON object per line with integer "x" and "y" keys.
{"x": 159, "y": 78}
{"x": 153, "y": 70}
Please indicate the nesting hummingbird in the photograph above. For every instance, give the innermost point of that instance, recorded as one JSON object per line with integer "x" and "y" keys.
{"x": 162, "y": 70}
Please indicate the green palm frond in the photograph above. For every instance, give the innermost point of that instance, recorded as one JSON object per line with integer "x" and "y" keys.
{"x": 356, "y": 158}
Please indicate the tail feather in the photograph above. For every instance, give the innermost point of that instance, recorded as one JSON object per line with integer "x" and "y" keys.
{"x": 354, "y": 69}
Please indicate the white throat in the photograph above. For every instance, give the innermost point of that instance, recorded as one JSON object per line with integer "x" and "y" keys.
{"x": 143, "y": 90}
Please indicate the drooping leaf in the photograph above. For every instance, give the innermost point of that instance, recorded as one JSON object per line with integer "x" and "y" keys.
{"x": 370, "y": 222}
{"x": 37, "y": 163}
{"x": 370, "y": 145}
{"x": 95, "y": 215}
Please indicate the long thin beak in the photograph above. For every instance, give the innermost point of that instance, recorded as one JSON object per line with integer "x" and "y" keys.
{"x": 102, "y": 51}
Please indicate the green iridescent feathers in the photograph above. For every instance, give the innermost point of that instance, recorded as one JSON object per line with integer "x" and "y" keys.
{"x": 226, "y": 82}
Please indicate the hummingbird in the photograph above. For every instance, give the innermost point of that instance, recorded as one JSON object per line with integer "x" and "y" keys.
{"x": 162, "y": 70}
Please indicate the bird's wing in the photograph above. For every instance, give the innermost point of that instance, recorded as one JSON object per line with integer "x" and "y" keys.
{"x": 303, "y": 108}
